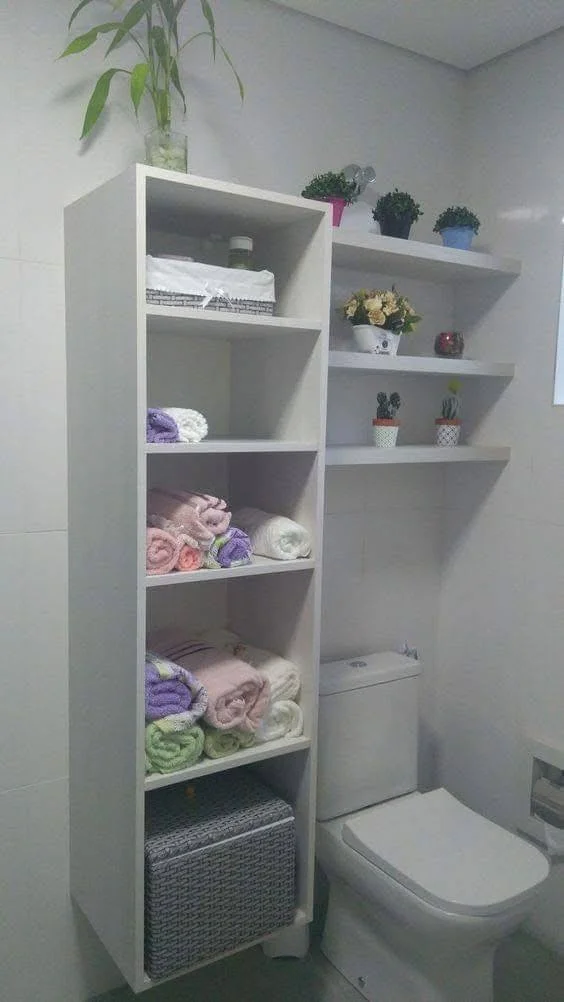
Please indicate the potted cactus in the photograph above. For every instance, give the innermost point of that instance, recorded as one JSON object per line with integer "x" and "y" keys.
{"x": 457, "y": 226}
{"x": 396, "y": 211}
{"x": 334, "y": 188}
{"x": 448, "y": 424}
{"x": 385, "y": 426}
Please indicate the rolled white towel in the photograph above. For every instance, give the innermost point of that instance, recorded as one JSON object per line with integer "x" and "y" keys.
{"x": 273, "y": 535}
{"x": 192, "y": 426}
{"x": 285, "y": 719}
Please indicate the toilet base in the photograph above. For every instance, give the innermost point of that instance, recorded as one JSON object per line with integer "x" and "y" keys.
{"x": 381, "y": 960}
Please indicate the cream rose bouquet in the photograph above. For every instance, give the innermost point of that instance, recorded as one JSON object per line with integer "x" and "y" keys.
{"x": 382, "y": 308}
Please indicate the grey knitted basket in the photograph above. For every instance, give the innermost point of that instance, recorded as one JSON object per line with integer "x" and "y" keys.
{"x": 219, "y": 869}
{"x": 254, "y": 306}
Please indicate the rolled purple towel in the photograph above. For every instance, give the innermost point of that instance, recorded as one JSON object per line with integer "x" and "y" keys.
{"x": 171, "y": 690}
{"x": 161, "y": 427}
{"x": 231, "y": 549}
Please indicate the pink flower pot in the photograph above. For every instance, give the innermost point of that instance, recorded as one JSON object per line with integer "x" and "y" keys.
{"x": 338, "y": 209}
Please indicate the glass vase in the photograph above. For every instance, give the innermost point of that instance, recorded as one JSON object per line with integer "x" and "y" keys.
{"x": 167, "y": 149}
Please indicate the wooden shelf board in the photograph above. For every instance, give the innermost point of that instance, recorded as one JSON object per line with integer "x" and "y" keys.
{"x": 357, "y": 455}
{"x": 346, "y": 361}
{"x": 414, "y": 259}
{"x": 207, "y": 766}
{"x": 195, "y": 322}
{"x": 260, "y": 565}
{"x": 222, "y": 445}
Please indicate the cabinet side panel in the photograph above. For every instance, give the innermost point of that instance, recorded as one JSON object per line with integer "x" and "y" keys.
{"x": 104, "y": 254}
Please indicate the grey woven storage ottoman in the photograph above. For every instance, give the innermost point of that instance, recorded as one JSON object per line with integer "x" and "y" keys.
{"x": 219, "y": 869}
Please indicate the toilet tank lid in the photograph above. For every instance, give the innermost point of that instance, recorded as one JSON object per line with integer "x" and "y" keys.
{"x": 364, "y": 670}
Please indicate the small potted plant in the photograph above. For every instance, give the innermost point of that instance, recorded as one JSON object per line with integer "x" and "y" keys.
{"x": 385, "y": 426}
{"x": 334, "y": 188}
{"x": 396, "y": 212}
{"x": 457, "y": 226}
{"x": 379, "y": 317}
{"x": 448, "y": 424}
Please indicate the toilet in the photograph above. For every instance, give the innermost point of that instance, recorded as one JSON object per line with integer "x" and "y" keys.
{"x": 421, "y": 888}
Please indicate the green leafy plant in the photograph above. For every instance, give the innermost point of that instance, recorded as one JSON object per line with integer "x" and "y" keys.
{"x": 387, "y": 406}
{"x": 398, "y": 204}
{"x": 331, "y": 185}
{"x": 456, "y": 215}
{"x": 382, "y": 308}
{"x": 450, "y": 406}
{"x": 153, "y": 26}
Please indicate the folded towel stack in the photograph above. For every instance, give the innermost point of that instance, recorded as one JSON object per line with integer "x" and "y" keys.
{"x": 174, "y": 700}
{"x": 238, "y": 695}
{"x": 186, "y": 531}
{"x": 175, "y": 424}
{"x": 274, "y": 536}
{"x": 284, "y": 718}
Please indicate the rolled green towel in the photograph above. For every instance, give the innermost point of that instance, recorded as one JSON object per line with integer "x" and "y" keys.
{"x": 168, "y": 749}
{"x": 217, "y": 744}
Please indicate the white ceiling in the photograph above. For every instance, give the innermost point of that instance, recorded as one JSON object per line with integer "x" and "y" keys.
{"x": 464, "y": 33}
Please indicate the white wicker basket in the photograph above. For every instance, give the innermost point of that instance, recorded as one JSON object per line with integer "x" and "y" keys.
{"x": 173, "y": 282}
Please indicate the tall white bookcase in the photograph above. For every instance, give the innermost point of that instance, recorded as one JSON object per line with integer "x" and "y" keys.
{"x": 261, "y": 382}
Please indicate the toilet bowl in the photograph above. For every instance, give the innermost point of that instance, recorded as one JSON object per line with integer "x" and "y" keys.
{"x": 421, "y": 888}
{"x": 425, "y": 924}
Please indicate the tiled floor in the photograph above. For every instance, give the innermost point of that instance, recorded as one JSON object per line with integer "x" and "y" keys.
{"x": 526, "y": 972}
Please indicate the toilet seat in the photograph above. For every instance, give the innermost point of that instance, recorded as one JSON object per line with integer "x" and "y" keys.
{"x": 446, "y": 853}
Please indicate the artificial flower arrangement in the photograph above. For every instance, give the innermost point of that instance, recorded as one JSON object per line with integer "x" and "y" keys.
{"x": 384, "y": 308}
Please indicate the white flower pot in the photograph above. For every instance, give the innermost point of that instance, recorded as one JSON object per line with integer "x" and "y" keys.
{"x": 376, "y": 340}
{"x": 447, "y": 433}
{"x": 385, "y": 434}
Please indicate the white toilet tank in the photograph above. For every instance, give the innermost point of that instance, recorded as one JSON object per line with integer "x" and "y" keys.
{"x": 368, "y": 725}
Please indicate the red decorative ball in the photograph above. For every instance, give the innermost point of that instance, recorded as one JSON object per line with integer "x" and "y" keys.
{"x": 449, "y": 344}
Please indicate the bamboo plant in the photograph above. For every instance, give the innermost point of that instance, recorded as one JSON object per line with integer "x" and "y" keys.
{"x": 153, "y": 27}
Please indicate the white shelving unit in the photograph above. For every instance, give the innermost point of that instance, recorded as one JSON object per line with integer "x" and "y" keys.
{"x": 431, "y": 263}
{"x": 418, "y": 365}
{"x": 368, "y": 455}
{"x": 414, "y": 259}
{"x": 261, "y": 382}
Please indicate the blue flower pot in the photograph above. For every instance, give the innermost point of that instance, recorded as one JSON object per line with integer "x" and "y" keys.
{"x": 458, "y": 236}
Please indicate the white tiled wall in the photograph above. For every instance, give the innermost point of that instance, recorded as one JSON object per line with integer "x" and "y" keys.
{"x": 317, "y": 97}
{"x": 502, "y": 631}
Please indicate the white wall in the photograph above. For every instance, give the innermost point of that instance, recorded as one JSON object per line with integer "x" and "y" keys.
{"x": 317, "y": 97}
{"x": 502, "y": 622}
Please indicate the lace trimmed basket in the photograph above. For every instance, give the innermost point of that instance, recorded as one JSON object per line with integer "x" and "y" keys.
{"x": 173, "y": 282}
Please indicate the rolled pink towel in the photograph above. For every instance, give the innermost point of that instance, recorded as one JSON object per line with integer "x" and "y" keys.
{"x": 238, "y": 696}
{"x": 200, "y": 516}
{"x": 163, "y": 550}
{"x": 191, "y": 557}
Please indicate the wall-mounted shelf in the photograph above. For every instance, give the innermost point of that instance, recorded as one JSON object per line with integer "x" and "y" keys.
{"x": 368, "y": 455}
{"x": 228, "y": 445}
{"x": 260, "y": 565}
{"x": 414, "y": 259}
{"x": 247, "y": 756}
{"x": 350, "y": 361}
{"x": 194, "y": 322}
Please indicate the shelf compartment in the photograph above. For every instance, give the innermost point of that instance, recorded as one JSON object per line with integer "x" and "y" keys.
{"x": 414, "y": 259}
{"x": 260, "y": 565}
{"x": 359, "y": 455}
{"x": 247, "y": 756}
{"x": 190, "y": 322}
{"x": 228, "y": 445}
{"x": 300, "y": 919}
{"x": 351, "y": 361}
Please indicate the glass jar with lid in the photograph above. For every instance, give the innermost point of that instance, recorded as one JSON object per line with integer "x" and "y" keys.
{"x": 241, "y": 253}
